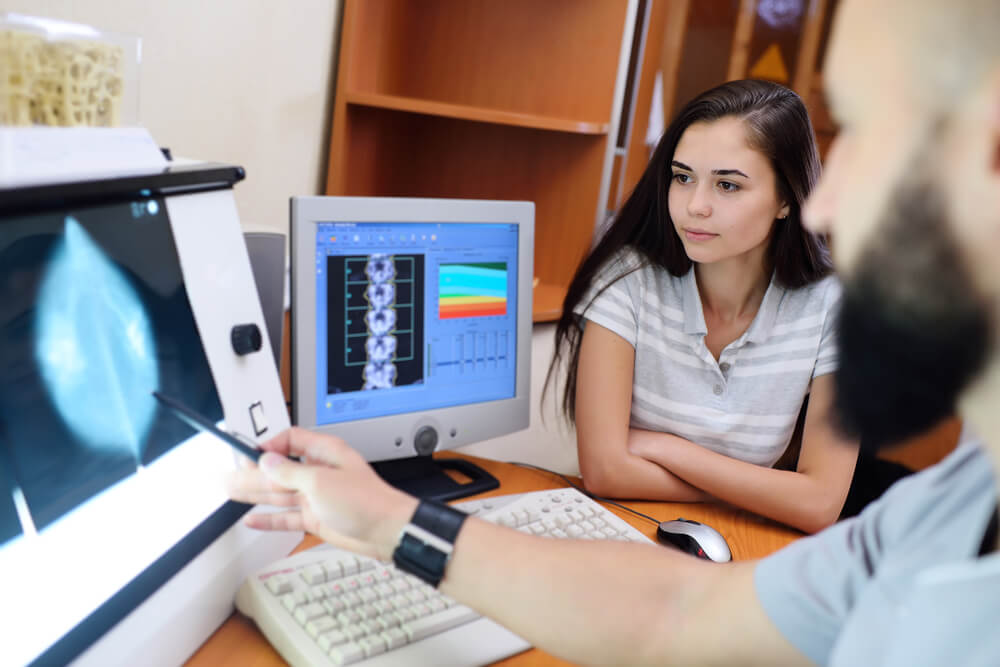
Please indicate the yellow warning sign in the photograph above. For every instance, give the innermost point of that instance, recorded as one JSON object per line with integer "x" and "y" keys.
{"x": 770, "y": 66}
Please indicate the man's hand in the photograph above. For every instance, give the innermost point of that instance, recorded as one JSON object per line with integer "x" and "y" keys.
{"x": 333, "y": 493}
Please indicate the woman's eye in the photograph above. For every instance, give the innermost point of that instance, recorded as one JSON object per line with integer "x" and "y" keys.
{"x": 682, "y": 178}
{"x": 728, "y": 186}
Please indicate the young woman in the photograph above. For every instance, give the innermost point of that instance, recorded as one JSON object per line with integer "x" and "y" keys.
{"x": 700, "y": 323}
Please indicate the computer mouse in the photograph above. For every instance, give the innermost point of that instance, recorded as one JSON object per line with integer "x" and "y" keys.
{"x": 695, "y": 538}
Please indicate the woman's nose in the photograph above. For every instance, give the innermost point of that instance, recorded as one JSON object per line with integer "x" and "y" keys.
{"x": 699, "y": 206}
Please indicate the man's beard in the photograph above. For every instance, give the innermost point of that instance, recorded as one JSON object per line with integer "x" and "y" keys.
{"x": 912, "y": 330}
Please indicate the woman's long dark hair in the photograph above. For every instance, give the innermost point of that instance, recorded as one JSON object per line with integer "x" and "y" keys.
{"x": 777, "y": 126}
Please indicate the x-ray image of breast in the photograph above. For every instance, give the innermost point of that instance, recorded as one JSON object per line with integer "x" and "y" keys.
{"x": 381, "y": 348}
{"x": 93, "y": 332}
{"x": 379, "y": 375}
{"x": 93, "y": 317}
{"x": 380, "y": 295}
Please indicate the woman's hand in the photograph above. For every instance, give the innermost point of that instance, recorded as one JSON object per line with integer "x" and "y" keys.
{"x": 333, "y": 494}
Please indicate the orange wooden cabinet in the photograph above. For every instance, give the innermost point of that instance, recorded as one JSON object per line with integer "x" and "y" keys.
{"x": 482, "y": 99}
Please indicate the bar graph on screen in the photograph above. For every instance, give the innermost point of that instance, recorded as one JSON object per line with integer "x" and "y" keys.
{"x": 477, "y": 289}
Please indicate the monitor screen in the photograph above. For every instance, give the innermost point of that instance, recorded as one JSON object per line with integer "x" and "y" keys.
{"x": 411, "y": 315}
{"x": 98, "y": 484}
{"x": 414, "y": 316}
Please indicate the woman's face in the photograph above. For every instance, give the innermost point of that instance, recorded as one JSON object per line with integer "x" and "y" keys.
{"x": 723, "y": 198}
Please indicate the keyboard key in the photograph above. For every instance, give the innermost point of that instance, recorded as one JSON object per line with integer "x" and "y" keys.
{"x": 330, "y": 639}
{"x": 349, "y": 566}
{"x": 318, "y": 626}
{"x": 288, "y": 601}
{"x": 334, "y": 606}
{"x": 308, "y": 612}
{"x": 314, "y": 574}
{"x": 394, "y": 638}
{"x": 372, "y": 645}
{"x": 445, "y": 620}
{"x": 383, "y": 606}
{"x": 333, "y": 570}
{"x": 405, "y": 615}
{"x": 346, "y": 654}
{"x": 366, "y": 611}
{"x": 279, "y": 584}
{"x": 370, "y": 627}
{"x": 348, "y": 618}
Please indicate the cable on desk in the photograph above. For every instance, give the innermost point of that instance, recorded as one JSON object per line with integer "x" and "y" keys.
{"x": 585, "y": 491}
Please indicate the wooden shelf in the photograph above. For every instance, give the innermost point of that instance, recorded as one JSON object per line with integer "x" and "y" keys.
{"x": 465, "y": 112}
{"x": 548, "y": 302}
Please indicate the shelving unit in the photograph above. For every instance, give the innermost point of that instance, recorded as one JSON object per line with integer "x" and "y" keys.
{"x": 482, "y": 99}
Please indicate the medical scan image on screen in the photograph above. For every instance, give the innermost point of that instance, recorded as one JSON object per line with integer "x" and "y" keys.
{"x": 94, "y": 316}
{"x": 413, "y": 316}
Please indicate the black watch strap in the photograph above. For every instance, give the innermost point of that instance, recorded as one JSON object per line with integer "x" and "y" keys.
{"x": 425, "y": 543}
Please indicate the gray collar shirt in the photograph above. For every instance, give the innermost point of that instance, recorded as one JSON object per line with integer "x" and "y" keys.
{"x": 901, "y": 585}
{"x": 745, "y": 405}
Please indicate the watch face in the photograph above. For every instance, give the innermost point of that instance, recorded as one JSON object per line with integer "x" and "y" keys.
{"x": 419, "y": 558}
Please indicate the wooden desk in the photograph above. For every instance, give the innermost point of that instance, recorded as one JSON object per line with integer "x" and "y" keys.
{"x": 239, "y": 643}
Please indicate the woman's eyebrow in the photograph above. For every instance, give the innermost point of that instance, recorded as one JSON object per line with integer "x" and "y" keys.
{"x": 729, "y": 172}
{"x": 717, "y": 172}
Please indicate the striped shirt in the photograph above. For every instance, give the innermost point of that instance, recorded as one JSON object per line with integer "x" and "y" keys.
{"x": 744, "y": 405}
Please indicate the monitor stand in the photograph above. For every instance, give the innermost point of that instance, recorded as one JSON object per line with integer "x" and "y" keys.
{"x": 425, "y": 477}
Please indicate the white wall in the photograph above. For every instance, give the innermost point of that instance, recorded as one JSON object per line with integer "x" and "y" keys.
{"x": 247, "y": 82}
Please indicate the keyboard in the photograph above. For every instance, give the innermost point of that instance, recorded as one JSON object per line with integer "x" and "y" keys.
{"x": 327, "y": 606}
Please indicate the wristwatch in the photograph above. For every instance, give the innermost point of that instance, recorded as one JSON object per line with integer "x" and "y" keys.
{"x": 425, "y": 544}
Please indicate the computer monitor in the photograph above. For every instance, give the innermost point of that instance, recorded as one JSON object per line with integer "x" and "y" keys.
{"x": 118, "y": 544}
{"x": 411, "y": 329}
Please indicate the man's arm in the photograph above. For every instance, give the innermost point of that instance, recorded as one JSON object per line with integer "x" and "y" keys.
{"x": 607, "y": 603}
{"x": 590, "y": 602}
{"x": 604, "y": 378}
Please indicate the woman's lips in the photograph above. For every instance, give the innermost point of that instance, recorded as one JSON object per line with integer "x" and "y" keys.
{"x": 698, "y": 235}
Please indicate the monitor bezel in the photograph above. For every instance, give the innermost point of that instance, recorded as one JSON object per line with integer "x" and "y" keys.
{"x": 392, "y": 436}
